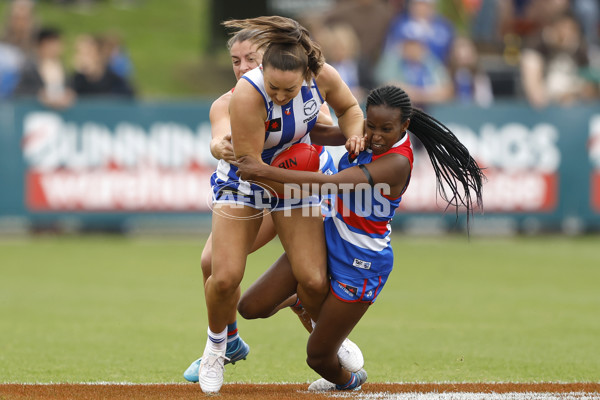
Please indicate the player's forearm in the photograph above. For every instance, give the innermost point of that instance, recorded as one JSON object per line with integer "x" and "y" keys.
{"x": 214, "y": 148}
{"x": 326, "y": 135}
{"x": 351, "y": 176}
{"x": 352, "y": 122}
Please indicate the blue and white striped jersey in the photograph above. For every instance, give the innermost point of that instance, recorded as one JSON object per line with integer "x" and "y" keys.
{"x": 288, "y": 124}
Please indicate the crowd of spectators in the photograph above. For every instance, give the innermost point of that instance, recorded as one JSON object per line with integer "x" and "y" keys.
{"x": 544, "y": 51}
{"x": 32, "y": 62}
{"x": 547, "y": 51}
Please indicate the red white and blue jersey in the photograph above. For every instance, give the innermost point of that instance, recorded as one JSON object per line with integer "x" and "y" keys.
{"x": 285, "y": 125}
{"x": 358, "y": 232}
{"x": 326, "y": 162}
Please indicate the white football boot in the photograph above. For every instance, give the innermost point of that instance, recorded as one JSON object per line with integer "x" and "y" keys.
{"x": 211, "y": 371}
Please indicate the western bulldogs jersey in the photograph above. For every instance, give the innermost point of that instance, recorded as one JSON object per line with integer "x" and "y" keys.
{"x": 358, "y": 231}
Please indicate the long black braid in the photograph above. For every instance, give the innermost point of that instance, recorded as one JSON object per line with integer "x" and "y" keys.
{"x": 450, "y": 159}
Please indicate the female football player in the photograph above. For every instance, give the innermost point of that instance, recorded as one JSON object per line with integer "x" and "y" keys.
{"x": 270, "y": 109}
{"x": 360, "y": 256}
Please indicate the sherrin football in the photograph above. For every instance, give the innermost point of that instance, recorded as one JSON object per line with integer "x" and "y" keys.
{"x": 300, "y": 156}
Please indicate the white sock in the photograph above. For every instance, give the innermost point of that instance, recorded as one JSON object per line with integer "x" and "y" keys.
{"x": 217, "y": 342}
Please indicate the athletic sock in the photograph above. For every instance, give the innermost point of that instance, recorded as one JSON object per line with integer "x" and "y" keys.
{"x": 351, "y": 384}
{"x": 232, "y": 333}
{"x": 217, "y": 342}
{"x": 297, "y": 304}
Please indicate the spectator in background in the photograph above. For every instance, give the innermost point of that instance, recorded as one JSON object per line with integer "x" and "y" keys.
{"x": 588, "y": 13}
{"x": 16, "y": 43}
{"x": 370, "y": 20}
{"x": 116, "y": 56}
{"x": 484, "y": 23}
{"x": 525, "y": 18}
{"x": 21, "y": 27}
{"x": 341, "y": 49}
{"x": 11, "y": 60}
{"x": 44, "y": 74}
{"x": 471, "y": 83}
{"x": 554, "y": 63}
{"x": 411, "y": 65}
{"x": 92, "y": 76}
{"x": 422, "y": 20}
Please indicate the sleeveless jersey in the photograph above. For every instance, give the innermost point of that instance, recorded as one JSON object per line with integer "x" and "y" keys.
{"x": 285, "y": 125}
{"x": 326, "y": 163}
{"x": 358, "y": 231}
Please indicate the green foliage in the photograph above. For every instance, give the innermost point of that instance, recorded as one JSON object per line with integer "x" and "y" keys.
{"x": 103, "y": 308}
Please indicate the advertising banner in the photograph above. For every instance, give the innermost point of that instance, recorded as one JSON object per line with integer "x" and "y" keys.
{"x": 108, "y": 162}
{"x": 90, "y": 166}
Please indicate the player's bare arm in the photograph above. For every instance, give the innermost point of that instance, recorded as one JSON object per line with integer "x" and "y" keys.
{"x": 220, "y": 128}
{"x": 327, "y": 135}
{"x": 391, "y": 169}
{"x": 344, "y": 104}
{"x": 248, "y": 115}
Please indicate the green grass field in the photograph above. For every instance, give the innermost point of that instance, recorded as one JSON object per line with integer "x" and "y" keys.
{"x": 109, "y": 308}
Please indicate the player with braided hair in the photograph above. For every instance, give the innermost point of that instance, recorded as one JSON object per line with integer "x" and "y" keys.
{"x": 360, "y": 256}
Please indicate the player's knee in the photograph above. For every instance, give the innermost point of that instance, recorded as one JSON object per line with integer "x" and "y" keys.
{"x": 316, "y": 286}
{"x": 247, "y": 309}
{"x": 225, "y": 285}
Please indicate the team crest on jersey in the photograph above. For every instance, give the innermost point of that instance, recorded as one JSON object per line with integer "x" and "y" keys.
{"x": 273, "y": 125}
{"x": 361, "y": 264}
{"x": 310, "y": 107}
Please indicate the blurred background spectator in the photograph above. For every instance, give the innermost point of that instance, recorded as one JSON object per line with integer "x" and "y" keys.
{"x": 370, "y": 20}
{"x": 476, "y": 50}
{"x": 92, "y": 77}
{"x": 422, "y": 20}
{"x": 118, "y": 60}
{"x": 16, "y": 43}
{"x": 44, "y": 75}
{"x": 20, "y": 26}
{"x": 410, "y": 63}
{"x": 342, "y": 50}
{"x": 588, "y": 14}
{"x": 11, "y": 60}
{"x": 555, "y": 63}
{"x": 471, "y": 83}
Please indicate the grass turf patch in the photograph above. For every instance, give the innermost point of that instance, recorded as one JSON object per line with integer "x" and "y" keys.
{"x": 110, "y": 308}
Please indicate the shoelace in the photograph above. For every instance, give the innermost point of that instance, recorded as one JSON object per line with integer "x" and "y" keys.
{"x": 212, "y": 359}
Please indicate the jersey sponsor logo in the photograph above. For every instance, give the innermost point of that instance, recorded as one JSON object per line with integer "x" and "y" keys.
{"x": 288, "y": 111}
{"x": 310, "y": 107}
{"x": 361, "y": 264}
{"x": 273, "y": 125}
{"x": 349, "y": 290}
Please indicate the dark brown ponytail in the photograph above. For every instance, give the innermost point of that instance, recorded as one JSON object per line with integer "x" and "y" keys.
{"x": 288, "y": 45}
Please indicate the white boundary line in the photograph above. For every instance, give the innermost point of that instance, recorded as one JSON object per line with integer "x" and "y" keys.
{"x": 468, "y": 396}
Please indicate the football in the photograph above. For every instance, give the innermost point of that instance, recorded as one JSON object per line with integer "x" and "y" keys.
{"x": 300, "y": 156}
